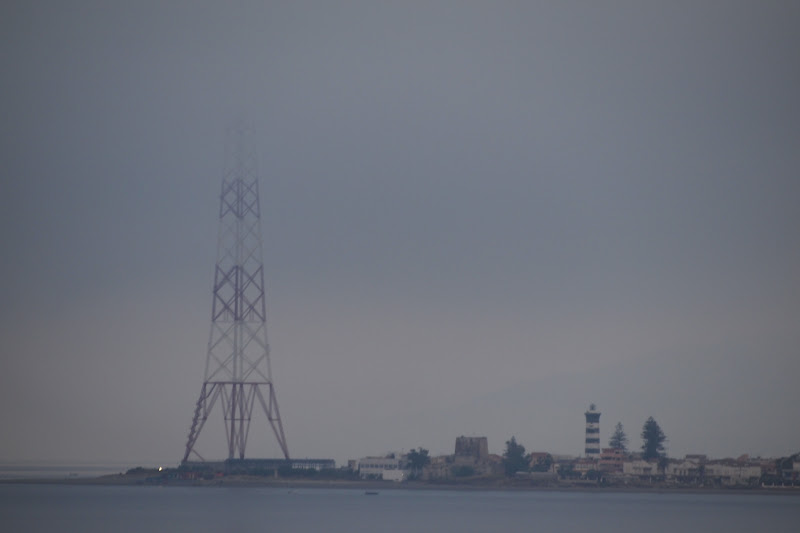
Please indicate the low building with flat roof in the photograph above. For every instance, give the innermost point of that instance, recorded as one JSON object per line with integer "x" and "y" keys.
{"x": 380, "y": 467}
{"x": 611, "y": 460}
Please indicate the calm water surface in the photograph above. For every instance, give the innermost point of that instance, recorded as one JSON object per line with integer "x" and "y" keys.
{"x": 35, "y": 508}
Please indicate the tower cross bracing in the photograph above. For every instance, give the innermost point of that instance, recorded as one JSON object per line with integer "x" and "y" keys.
{"x": 237, "y": 371}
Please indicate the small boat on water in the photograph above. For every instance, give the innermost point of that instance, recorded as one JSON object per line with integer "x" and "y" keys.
{"x": 371, "y": 492}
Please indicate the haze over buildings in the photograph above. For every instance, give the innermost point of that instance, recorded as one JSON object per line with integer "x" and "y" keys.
{"x": 478, "y": 219}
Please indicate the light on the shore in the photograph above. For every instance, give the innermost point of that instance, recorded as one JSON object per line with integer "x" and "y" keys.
{"x": 159, "y": 468}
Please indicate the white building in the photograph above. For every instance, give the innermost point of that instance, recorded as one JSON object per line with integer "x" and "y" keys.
{"x": 733, "y": 474}
{"x": 640, "y": 468}
{"x": 388, "y": 468}
{"x": 394, "y": 475}
{"x": 683, "y": 469}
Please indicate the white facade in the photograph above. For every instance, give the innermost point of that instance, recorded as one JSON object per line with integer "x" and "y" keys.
{"x": 733, "y": 474}
{"x": 394, "y": 475}
{"x": 639, "y": 468}
{"x": 683, "y": 469}
{"x": 381, "y": 467}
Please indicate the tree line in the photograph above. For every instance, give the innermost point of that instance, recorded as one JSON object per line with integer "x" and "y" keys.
{"x": 653, "y": 439}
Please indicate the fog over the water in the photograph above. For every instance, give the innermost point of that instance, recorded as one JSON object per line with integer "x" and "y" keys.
{"x": 479, "y": 218}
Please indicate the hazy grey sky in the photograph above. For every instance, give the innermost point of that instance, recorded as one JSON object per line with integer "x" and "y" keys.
{"x": 479, "y": 217}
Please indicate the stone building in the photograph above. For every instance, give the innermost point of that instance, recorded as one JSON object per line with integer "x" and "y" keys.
{"x": 475, "y": 448}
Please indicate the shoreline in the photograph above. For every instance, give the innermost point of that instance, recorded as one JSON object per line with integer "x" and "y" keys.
{"x": 293, "y": 484}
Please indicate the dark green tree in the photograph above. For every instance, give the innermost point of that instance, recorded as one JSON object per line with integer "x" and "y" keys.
{"x": 417, "y": 459}
{"x": 619, "y": 440}
{"x": 653, "y": 440}
{"x": 514, "y": 458}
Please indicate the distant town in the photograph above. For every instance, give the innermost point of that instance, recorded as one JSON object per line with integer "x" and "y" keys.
{"x": 471, "y": 464}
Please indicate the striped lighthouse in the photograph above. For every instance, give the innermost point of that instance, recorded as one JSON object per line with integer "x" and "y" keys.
{"x": 592, "y": 433}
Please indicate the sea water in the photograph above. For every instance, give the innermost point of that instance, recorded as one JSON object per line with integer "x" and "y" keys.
{"x": 39, "y": 470}
{"x": 32, "y": 508}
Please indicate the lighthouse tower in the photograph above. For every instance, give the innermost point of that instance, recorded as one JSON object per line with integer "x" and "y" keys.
{"x": 592, "y": 433}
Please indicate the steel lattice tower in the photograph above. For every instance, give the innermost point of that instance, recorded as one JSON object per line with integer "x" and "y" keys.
{"x": 238, "y": 372}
